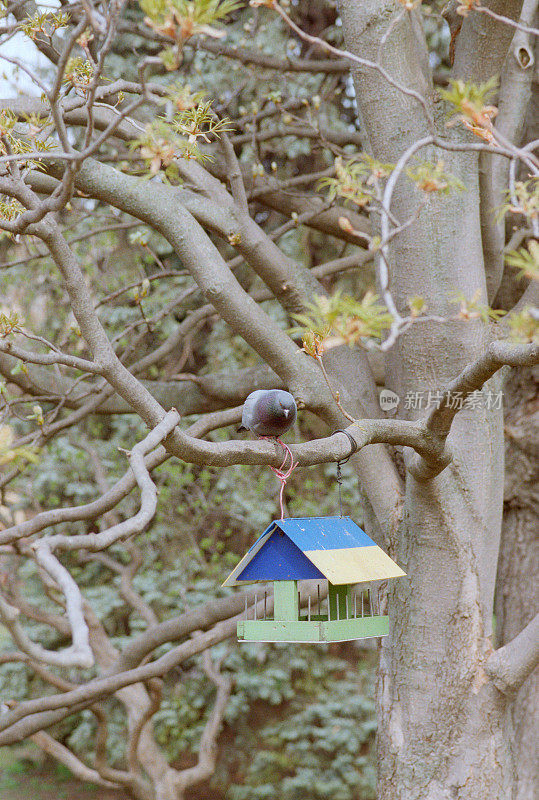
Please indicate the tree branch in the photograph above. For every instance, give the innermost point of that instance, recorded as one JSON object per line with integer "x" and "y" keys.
{"x": 192, "y": 395}
{"x": 28, "y": 9}
{"x": 482, "y": 44}
{"x": 33, "y": 715}
{"x": 364, "y": 63}
{"x": 472, "y": 378}
{"x": 207, "y": 751}
{"x": 292, "y": 285}
{"x": 116, "y": 493}
{"x": 157, "y": 206}
{"x": 514, "y": 662}
{"x": 79, "y": 653}
{"x": 266, "y": 61}
{"x": 62, "y": 754}
{"x": 66, "y": 359}
{"x": 148, "y": 497}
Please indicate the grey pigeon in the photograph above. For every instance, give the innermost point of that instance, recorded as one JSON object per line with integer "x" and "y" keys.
{"x": 269, "y": 412}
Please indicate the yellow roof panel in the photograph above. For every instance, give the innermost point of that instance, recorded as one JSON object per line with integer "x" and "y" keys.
{"x": 354, "y": 564}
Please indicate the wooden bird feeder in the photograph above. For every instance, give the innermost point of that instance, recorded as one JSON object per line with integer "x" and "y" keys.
{"x": 332, "y": 549}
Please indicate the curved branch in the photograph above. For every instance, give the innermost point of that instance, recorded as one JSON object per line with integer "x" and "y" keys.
{"x": 46, "y": 359}
{"x": 307, "y": 454}
{"x": 171, "y": 630}
{"x": 132, "y": 779}
{"x": 514, "y": 662}
{"x": 207, "y": 751}
{"x": 62, "y": 754}
{"x": 116, "y": 493}
{"x": 190, "y": 395}
{"x": 497, "y": 355}
{"x": 471, "y": 379}
{"x": 148, "y": 498}
{"x": 520, "y": 26}
{"x": 157, "y": 206}
{"x": 126, "y": 589}
{"x": 363, "y": 62}
{"x": 33, "y": 715}
{"x": 155, "y": 692}
{"x": 79, "y": 653}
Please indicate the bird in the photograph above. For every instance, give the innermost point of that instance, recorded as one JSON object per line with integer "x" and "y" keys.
{"x": 268, "y": 412}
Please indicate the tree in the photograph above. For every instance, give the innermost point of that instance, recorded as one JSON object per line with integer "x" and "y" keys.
{"x": 428, "y": 177}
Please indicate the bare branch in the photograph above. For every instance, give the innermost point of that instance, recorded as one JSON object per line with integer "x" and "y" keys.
{"x": 501, "y": 18}
{"x": 316, "y": 451}
{"x": 121, "y": 489}
{"x": 267, "y": 61}
{"x": 68, "y": 759}
{"x": 126, "y": 573}
{"x": 207, "y": 751}
{"x": 79, "y": 653}
{"x": 157, "y": 206}
{"x": 33, "y": 715}
{"x": 439, "y": 421}
{"x": 355, "y": 59}
{"x": 514, "y": 662}
{"x": 49, "y": 358}
{"x": 133, "y": 778}
{"x": 189, "y": 394}
{"x": 505, "y": 148}
{"x": 176, "y": 628}
{"x": 148, "y": 497}
{"x": 235, "y": 177}
{"x": 153, "y": 706}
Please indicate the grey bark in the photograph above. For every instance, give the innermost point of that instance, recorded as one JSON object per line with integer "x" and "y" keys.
{"x": 513, "y": 100}
{"x": 442, "y": 724}
{"x": 516, "y": 600}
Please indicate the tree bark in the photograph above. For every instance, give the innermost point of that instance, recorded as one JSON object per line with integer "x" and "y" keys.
{"x": 516, "y": 596}
{"x": 442, "y": 731}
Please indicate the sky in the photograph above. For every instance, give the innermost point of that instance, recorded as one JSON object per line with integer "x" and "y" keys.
{"x": 14, "y": 81}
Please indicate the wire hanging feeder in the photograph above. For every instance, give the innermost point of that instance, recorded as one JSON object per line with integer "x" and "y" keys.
{"x": 354, "y": 447}
{"x": 283, "y": 472}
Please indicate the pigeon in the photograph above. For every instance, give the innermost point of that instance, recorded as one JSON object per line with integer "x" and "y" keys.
{"x": 268, "y": 412}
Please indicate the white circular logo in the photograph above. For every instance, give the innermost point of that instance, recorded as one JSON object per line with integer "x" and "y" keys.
{"x": 389, "y": 400}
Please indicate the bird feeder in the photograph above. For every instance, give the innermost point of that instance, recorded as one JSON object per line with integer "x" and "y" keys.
{"x": 327, "y": 549}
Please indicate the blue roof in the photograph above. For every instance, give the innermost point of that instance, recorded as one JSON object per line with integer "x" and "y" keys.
{"x": 314, "y": 547}
{"x": 324, "y": 533}
{"x": 279, "y": 560}
{"x": 320, "y": 533}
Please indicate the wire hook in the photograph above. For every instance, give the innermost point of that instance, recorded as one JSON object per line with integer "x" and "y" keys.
{"x": 284, "y": 472}
{"x": 354, "y": 447}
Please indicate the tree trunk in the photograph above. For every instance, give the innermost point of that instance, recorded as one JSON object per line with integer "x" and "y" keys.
{"x": 442, "y": 725}
{"x": 516, "y": 597}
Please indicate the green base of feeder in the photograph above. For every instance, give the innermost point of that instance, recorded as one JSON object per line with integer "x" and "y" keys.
{"x": 321, "y": 630}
